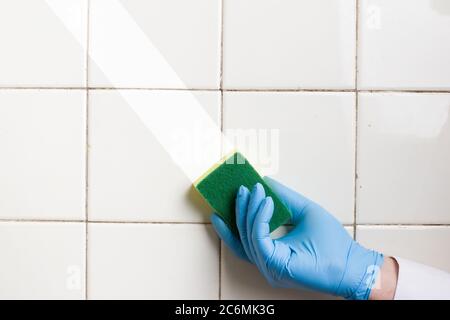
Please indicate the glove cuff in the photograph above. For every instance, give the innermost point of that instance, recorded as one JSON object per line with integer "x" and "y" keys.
{"x": 361, "y": 270}
{"x": 370, "y": 276}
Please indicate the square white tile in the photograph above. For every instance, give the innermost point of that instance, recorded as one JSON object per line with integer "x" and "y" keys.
{"x": 131, "y": 175}
{"x": 404, "y": 44}
{"x": 37, "y": 48}
{"x": 311, "y": 145}
{"x": 242, "y": 280}
{"x": 153, "y": 261}
{"x": 155, "y": 43}
{"x": 422, "y": 244}
{"x": 42, "y": 166}
{"x": 403, "y": 158}
{"x": 289, "y": 44}
{"x": 42, "y": 260}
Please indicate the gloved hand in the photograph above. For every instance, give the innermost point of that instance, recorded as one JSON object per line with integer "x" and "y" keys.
{"x": 317, "y": 253}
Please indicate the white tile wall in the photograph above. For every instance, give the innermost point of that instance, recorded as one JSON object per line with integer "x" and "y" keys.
{"x": 183, "y": 34}
{"x": 424, "y": 244}
{"x": 36, "y": 49}
{"x": 42, "y": 162}
{"x": 403, "y": 158}
{"x": 42, "y": 260}
{"x": 151, "y": 261}
{"x": 299, "y": 44}
{"x": 131, "y": 177}
{"x": 403, "y": 44}
{"x": 84, "y": 186}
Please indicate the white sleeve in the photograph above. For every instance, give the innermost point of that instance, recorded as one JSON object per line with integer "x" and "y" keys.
{"x": 420, "y": 282}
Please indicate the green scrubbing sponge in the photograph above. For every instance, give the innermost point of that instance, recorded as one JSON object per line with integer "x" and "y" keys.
{"x": 220, "y": 184}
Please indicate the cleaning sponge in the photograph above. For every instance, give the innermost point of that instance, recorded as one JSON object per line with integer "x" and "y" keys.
{"x": 220, "y": 184}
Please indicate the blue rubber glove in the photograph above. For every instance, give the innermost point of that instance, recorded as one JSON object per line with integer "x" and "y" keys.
{"x": 317, "y": 253}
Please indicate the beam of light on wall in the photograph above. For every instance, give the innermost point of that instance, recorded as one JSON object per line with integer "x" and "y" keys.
{"x": 173, "y": 116}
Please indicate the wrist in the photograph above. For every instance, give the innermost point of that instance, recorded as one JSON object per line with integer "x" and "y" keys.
{"x": 386, "y": 282}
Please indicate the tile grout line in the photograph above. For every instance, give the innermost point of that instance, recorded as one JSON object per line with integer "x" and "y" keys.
{"x": 287, "y": 90}
{"x": 99, "y": 221}
{"x": 220, "y": 242}
{"x": 403, "y": 225}
{"x": 221, "y": 46}
{"x": 221, "y": 126}
{"x": 106, "y": 88}
{"x": 87, "y": 156}
{"x": 403, "y": 91}
{"x": 12, "y": 220}
{"x": 355, "y": 186}
{"x": 274, "y": 90}
{"x": 125, "y": 222}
